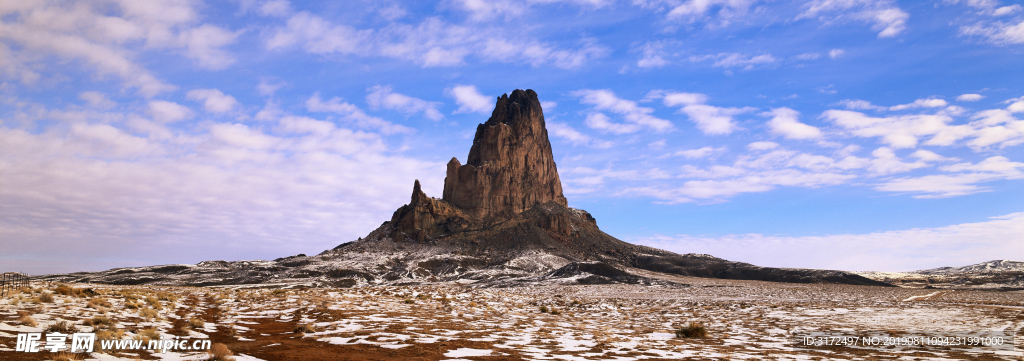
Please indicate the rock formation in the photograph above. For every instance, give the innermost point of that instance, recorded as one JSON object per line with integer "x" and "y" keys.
{"x": 510, "y": 167}
{"x": 502, "y": 221}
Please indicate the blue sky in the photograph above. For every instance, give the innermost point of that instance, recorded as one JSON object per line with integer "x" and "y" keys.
{"x": 842, "y": 134}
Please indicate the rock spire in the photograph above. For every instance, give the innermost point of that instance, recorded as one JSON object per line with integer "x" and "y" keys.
{"x": 510, "y": 167}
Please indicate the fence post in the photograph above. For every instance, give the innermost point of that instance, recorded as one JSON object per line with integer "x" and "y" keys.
{"x": 11, "y": 281}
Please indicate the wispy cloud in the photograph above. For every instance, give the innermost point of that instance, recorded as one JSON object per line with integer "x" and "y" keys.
{"x": 107, "y": 38}
{"x": 384, "y": 97}
{"x": 431, "y": 43}
{"x": 352, "y": 113}
{"x": 786, "y": 122}
{"x": 470, "y": 100}
{"x": 736, "y": 60}
{"x": 636, "y": 117}
{"x": 711, "y": 120}
{"x": 214, "y": 100}
{"x": 282, "y": 187}
{"x": 885, "y": 16}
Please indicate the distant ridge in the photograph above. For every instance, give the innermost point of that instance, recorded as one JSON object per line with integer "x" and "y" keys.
{"x": 984, "y": 267}
{"x": 997, "y": 274}
{"x": 502, "y": 221}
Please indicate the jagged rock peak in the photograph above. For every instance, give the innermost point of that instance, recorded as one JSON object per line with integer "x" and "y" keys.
{"x": 417, "y": 194}
{"x": 510, "y": 167}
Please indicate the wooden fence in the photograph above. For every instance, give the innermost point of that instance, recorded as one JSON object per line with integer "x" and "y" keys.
{"x": 12, "y": 281}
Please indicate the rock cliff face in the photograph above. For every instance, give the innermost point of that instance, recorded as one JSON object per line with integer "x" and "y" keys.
{"x": 425, "y": 217}
{"x": 510, "y": 167}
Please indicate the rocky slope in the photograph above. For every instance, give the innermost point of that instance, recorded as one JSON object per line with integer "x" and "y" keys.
{"x": 502, "y": 220}
{"x": 998, "y": 274}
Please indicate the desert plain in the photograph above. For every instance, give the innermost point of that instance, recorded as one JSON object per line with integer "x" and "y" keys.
{"x": 742, "y": 320}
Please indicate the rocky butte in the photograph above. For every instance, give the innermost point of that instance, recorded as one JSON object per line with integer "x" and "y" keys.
{"x": 501, "y": 221}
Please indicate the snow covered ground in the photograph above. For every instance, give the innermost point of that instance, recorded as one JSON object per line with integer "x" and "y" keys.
{"x": 744, "y": 320}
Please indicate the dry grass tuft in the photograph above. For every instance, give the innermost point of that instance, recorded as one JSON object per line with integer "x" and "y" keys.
{"x": 100, "y": 322}
{"x": 46, "y": 297}
{"x": 27, "y": 321}
{"x": 68, "y": 356}
{"x": 154, "y": 302}
{"x": 693, "y": 330}
{"x": 220, "y": 352}
{"x": 196, "y": 323}
{"x": 230, "y": 330}
{"x": 64, "y": 290}
{"x": 304, "y": 328}
{"x": 99, "y": 302}
{"x": 149, "y": 314}
{"x": 146, "y": 335}
{"x": 62, "y": 327}
{"x": 167, "y": 296}
{"x": 110, "y": 334}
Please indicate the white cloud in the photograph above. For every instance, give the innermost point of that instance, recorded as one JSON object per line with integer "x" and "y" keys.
{"x": 835, "y": 53}
{"x": 166, "y": 112}
{"x": 720, "y": 12}
{"x": 969, "y": 97}
{"x": 637, "y": 117}
{"x": 988, "y": 128}
{"x": 808, "y": 56}
{"x": 710, "y": 119}
{"x": 570, "y": 134}
{"x": 900, "y": 250}
{"x": 214, "y": 101}
{"x": 857, "y": 104}
{"x": 470, "y": 100}
{"x": 204, "y": 44}
{"x": 735, "y": 60}
{"x": 237, "y": 191}
{"x": 566, "y": 132}
{"x": 600, "y": 121}
{"x": 929, "y": 156}
{"x": 996, "y": 32}
{"x": 431, "y": 43}
{"x": 652, "y": 55}
{"x": 96, "y": 99}
{"x": 962, "y": 180}
{"x": 482, "y": 10}
{"x": 996, "y": 127}
{"x": 698, "y": 153}
{"x": 500, "y": 48}
{"x": 885, "y": 15}
{"x": 106, "y": 36}
{"x": 1007, "y": 10}
{"x": 716, "y": 190}
{"x": 1016, "y": 105}
{"x": 886, "y": 162}
{"x": 921, "y": 103}
{"x": 785, "y": 122}
{"x": 899, "y": 131}
{"x": 275, "y": 8}
{"x": 762, "y": 145}
{"x": 267, "y": 86}
{"x": 384, "y": 97}
{"x": 318, "y": 36}
{"x": 392, "y": 13}
{"x": 352, "y": 113}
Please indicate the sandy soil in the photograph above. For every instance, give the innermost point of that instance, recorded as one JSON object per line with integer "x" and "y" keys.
{"x": 744, "y": 320}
